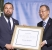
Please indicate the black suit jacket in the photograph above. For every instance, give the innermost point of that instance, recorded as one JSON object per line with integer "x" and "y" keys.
{"x": 47, "y": 34}
{"x": 5, "y": 32}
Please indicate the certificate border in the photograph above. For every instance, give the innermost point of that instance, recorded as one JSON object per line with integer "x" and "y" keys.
{"x": 34, "y": 27}
{"x": 28, "y": 30}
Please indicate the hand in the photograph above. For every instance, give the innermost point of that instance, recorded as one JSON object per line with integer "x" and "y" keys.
{"x": 9, "y": 46}
{"x": 24, "y": 25}
{"x": 43, "y": 43}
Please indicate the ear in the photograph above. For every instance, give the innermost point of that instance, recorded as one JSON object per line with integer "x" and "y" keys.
{"x": 48, "y": 12}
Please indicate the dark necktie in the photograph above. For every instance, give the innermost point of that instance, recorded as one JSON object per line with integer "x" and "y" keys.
{"x": 9, "y": 24}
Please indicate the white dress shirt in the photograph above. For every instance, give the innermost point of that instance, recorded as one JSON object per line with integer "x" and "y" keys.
{"x": 11, "y": 21}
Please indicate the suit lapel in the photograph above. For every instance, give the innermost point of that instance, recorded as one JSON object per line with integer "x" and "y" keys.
{"x": 4, "y": 23}
{"x": 13, "y": 25}
{"x": 47, "y": 25}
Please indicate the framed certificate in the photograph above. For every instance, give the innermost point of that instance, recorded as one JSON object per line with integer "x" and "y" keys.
{"x": 27, "y": 37}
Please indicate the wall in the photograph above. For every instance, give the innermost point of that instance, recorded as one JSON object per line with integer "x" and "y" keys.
{"x": 27, "y": 11}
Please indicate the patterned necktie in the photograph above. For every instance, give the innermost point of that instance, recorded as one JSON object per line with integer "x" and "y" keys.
{"x": 44, "y": 24}
{"x": 9, "y": 24}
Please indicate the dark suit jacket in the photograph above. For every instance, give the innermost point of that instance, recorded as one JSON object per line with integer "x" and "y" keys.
{"x": 47, "y": 34}
{"x": 5, "y": 32}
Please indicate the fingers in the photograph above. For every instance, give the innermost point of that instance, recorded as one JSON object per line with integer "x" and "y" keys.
{"x": 43, "y": 43}
{"x": 9, "y": 46}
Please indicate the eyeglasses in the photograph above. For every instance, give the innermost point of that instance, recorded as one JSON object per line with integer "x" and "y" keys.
{"x": 42, "y": 11}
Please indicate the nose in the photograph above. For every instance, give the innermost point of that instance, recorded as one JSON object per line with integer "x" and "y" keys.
{"x": 7, "y": 10}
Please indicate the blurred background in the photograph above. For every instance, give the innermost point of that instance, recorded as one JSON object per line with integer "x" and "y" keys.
{"x": 1, "y": 6}
{"x": 27, "y": 11}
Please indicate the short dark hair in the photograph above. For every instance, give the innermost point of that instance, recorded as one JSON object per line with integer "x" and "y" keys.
{"x": 7, "y": 3}
{"x": 47, "y": 8}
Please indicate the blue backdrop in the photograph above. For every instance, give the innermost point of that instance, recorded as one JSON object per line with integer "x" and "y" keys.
{"x": 27, "y": 11}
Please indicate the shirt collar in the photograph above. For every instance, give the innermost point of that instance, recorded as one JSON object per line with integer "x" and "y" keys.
{"x": 7, "y": 19}
{"x": 46, "y": 20}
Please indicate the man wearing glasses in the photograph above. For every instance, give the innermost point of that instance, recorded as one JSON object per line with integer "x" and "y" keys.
{"x": 47, "y": 24}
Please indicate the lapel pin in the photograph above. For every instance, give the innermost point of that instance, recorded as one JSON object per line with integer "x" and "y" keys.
{"x": 49, "y": 23}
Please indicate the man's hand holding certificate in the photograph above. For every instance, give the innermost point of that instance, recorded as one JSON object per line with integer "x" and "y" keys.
{"x": 27, "y": 37}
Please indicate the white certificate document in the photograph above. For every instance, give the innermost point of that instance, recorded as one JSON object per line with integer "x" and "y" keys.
{"x": 27, "y": 37}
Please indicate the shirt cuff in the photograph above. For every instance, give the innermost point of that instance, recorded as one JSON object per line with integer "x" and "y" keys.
{"x": 45, "y": 41}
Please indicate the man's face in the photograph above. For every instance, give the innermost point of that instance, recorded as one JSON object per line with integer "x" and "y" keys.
{"x": 8, "y": 10}
{"x": 43, "y": 13}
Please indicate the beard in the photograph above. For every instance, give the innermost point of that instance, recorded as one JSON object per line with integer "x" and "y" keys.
{"x": 8, "y": 15}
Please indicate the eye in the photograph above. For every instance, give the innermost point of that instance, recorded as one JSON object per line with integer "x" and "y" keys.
{"x": 42, "y": 11}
